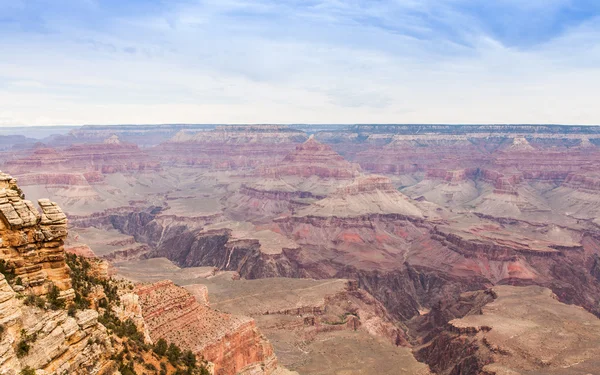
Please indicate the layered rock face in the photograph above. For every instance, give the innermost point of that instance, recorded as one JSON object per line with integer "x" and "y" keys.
{"x": 232, "y": 343}
{"x": 519, "y": 330}
{"x": 32, "y": 250}
{"x": 310, "y": 308}
{"x": 313, "y": 158}
{"x": 308, "y": 173}
{"x": 85, "y": 178}
{"x": 109, "y": 156}
{"x": 32, "y": 242}
{"x": 549, "y": 153}
{"x": 58, "y": 343}
{"x": 141, "y": 135}
{"x": 231, "y": 147}
{"x": 315, "y": 326}
{"x": 369, "y": 195}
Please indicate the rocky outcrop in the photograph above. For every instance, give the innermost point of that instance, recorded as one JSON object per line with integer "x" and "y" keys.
{"x": 585, "y": 182}
{"x": 31, "y": 243}
{"x": 56, "y": 342}
{"x": 519, "y": 330}
{"x": 368, "y": 195}
{"x": 106, "y": 158}
{"x": 452, "y": 176}
{"x": 231, "y": 147}
{"x": 60, "y": 179}
{"x": 232, "y": 343}
{"x": 494, "y": 249}
{"x": 520, "y": 143}
{"x": 77, "y": 345}
{"x": 313, "y": 158}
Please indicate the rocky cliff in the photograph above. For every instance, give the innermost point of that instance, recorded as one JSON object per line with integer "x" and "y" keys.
{"x": 232, "y": 343}
{"x": 52, "y": 341}
{"x": 31, "y": 243}
{"x": 366, "y": 195}
{"x": 512, "y": 330}
{"x": 105, "y": 157}
{"x": 231, "y": 147}
{"x": 313, "y": 158}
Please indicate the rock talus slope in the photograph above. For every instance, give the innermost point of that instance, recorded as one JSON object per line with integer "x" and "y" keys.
{"x": 518, "y": 331}
{"x": 232, "y": 343}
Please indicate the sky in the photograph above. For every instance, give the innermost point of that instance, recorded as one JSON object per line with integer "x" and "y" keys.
{"x": 299, "y": 61}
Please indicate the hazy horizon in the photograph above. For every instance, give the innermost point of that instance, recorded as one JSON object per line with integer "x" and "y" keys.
{"x": 291, "y": 124}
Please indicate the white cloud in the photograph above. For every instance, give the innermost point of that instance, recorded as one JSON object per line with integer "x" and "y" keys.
{"x": 242, "y": 61}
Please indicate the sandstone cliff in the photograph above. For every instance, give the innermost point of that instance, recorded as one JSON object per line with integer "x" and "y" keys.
{"x": 313, "y": 158}
{"x": 51, "y": 341}
{"x": 31, "y": 243}
{"x": 232, "y": 343}
{"x": 230, "y": 147}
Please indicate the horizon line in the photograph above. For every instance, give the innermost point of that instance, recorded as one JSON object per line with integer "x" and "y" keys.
{"x": 301, "y": 124}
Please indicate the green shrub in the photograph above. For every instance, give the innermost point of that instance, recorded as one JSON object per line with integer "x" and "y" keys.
{"x": 23, "y": 348}
{"x": 38, "y": 301}
{"x": 54, "y": 298}
{"x": 189, "y": 359}
{"x": 173, "y": 354}
{"x": 72, "y": 310}
{"x": 160, "y": 347}
{"x": 150, "y": 366}
{"x": 27, "y": 371}
{"x": 7, "y": 271}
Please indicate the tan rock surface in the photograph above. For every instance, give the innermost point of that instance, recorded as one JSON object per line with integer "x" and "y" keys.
{"x": 232, "y": 343}
{"x": 523, "y": 330}
{"x": 31, "y": 242}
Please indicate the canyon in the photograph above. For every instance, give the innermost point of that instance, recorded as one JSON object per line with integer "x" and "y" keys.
{"x": 349, "y": 249}
{"x": 37, "y": 285}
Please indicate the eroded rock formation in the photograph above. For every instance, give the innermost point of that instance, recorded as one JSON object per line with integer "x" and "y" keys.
{"x": 32, "y": 242}
{"x": 232, "y": 343}
{"x": 313, "y": 158}
{"x": 513, "y": 330}
{"x": 231, "y": 147}
{"x": 57, "y": 342}
{"x": 106, "y": 157}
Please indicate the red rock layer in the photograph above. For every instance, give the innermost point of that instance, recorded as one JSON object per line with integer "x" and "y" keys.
{"x": 231, "y": 343}
{"x": 583, "y": 182}
{"x": 451, "y": 176}
{"x": 104, "y": 158}
{"x": 503, "y": 184}
{"x": 231, "y": 147}
{"x": 313, "y": 158}
{"x": 68, "y": 179}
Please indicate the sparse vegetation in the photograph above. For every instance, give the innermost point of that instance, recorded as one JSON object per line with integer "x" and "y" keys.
{"x": 24, "y": 345}
{"x": 27, "y": 371}
{"x": 160, "y": 347}
{"x": 38, "y": 301}
{"x": 54, "y": 299}
{"x": 173, "y": 354}
{"x": 7, "y": 271}
{"x": 132, "y": 352}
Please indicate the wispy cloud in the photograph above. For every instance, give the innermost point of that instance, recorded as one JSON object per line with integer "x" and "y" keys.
{"x": 148, "y": 61}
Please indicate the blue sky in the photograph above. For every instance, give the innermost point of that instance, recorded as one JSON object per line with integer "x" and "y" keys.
{"x": 291, "y": 61}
